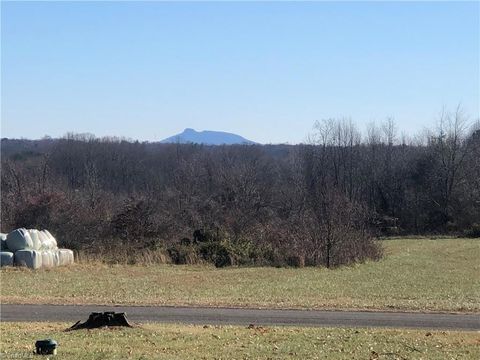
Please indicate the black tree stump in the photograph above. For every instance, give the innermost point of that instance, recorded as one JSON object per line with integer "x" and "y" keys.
{"x": 105, "y": 319}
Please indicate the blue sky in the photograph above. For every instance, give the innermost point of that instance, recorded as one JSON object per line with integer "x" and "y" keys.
{"x": 267, "y": 71}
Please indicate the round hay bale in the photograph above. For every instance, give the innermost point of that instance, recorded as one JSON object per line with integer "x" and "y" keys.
{"x": 53, "y": 241}
{"x": 19, "y": 239}
{"x": 47, "y": 259}
{"x": 3, "y": 242}
{"x": 6, "y": 258}
{"x": 29, "y": 258}
{"x": 37, "y": 244}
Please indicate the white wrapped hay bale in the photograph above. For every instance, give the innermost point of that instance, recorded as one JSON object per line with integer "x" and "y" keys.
{"x": 34, "y": 249}
{"x": 47, "y": 259}
{"x": 36, "y": 243}
{"x": 71, "y": 257}
{"x": 3, "y": 242}
{"x": 44, "y": 241}
{"x": 52, "y": 243}
{"x": 6, "y": 258}
{"x": 52, "y": 257}
{"x": 61, "y": 257}
{"x": 55, "y": 257}
{"x": 65, "y": 257}
{"x": 47, "y": 241}
{"x": 29, "y": 258}
{"x": 19, "y": 239}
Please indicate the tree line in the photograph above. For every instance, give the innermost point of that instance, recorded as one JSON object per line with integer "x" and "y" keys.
{"x": 319, "y": 203}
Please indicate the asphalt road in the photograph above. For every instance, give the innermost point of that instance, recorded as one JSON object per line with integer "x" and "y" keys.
{"x": 226, "y": 316}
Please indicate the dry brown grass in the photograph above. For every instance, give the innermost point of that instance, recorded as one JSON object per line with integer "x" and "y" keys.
{"x": 124, "y": 257}
{"x": 168, "y": 341}
{"x": 418, "y": 275}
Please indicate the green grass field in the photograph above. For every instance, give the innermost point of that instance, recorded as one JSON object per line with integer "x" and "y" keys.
{"x": 415, "y": 274}
{"x": 155, "y": 341}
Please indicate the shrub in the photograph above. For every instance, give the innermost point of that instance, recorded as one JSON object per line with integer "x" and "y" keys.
{"x": 133, "y": 220}
{"x": 36, "y": 210}
{"x": 272, "y": 256}
{"x": 216, "y": 253}
{"x": 183, "y": 254}
{"x": 473, "y": 231}
{"x": 295, "y": 260}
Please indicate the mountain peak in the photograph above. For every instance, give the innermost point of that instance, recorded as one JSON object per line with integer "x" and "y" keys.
{"x": 207, "y": 137}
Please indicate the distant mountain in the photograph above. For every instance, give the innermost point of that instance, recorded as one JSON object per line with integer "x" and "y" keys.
{"x": 207, "y": 138}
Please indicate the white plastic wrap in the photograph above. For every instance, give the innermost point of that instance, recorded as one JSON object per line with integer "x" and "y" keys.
{"x": 29, "y": 258}
{"x": 43, "y": 240}
{"x": 36, "y": 243}
{"x": 55, "y": 257}
{"x": 3, "y": 242}
{"x": 19, "y": 239}
{"x": 46, "y": 240}
{"x": 65, "y": 257}
{"x": 50, "y": 242}
{"x": 6, "y": 258}
{"x": 47, "y": 259}
{"x": 33, "y": 249}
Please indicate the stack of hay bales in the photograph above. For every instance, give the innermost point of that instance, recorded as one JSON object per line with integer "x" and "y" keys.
{"x": 32, "y": 248}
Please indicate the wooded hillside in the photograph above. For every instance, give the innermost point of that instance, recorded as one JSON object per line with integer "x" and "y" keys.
{"x": 315, "y": 204}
